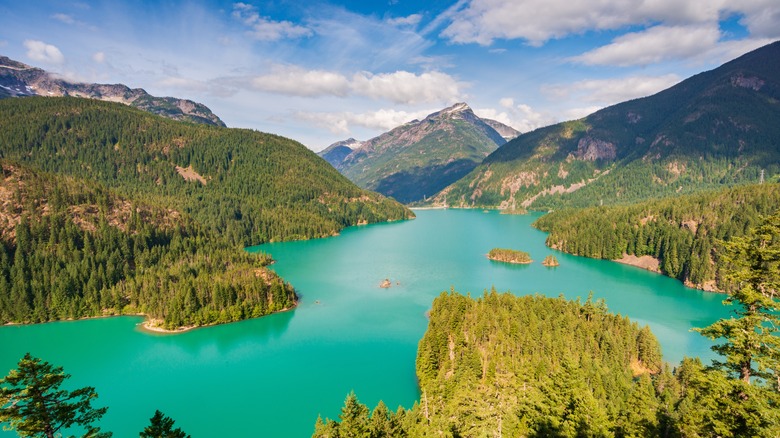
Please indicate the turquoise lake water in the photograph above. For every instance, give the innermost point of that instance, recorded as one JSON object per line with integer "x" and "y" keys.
{"x": 272, "y": 376}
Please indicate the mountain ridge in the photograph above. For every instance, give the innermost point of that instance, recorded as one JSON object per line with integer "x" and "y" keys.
{"x": 20, "y": 80}
{"x": 418, "y": 158}
{"x": 715, "y": 128}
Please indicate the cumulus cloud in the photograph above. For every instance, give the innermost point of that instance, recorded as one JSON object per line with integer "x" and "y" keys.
{"x": 603, "y": 92}
{"x": 341, "y": 123}
{"x": 411, "y": 20}
{"x": 265, "y": 29}
{"x": 653, "y": 45}
{"x": 296, "y": 81}
{"x": 42, "y": 52}
{"x": 400, "y": 87}
{"x": 408, "y": 88}
{"x": 537, "y": 21}
{"x": 521, "y": 116}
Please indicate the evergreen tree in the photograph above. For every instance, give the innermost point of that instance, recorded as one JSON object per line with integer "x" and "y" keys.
{"x": 752, "y": 348}
{"x": 33, "y": 404}
{"x": 354, "y": 418}
{"x": 161, "y": 426}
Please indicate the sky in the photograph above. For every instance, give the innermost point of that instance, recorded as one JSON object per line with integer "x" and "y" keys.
{"x": 322, "y": 71}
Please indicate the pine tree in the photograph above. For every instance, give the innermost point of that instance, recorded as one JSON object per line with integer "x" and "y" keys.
{"x": 354, "y": 418}
{"x": 33, "y": 404}
{"x": 752, "y": 348}
{"x": 161, "y": 426}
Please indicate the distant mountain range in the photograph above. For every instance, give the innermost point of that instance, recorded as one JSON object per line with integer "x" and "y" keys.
{"x": 720, "y": 127}
{"x": 419, "y": 158}
{"x": 18, "y": 80}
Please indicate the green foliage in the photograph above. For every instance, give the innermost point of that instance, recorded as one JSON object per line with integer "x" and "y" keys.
{"x": 33, "y": 405}
{"x": 752, "y": 348}
{"x": 681, "y": 232}
{"x": 258, "y": 187}
{"x": 100, "y": 222}
{"x": 504, "y": 365}
{"x": 509, "y": 255}
{"x": 80, "y": 250}
{"x": 161, "y": 426}
{"x": 357, "y": 423}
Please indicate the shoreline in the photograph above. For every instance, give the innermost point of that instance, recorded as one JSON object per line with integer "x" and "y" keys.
{"x": 647, "y": 262}
{"x": 146, "y": 325}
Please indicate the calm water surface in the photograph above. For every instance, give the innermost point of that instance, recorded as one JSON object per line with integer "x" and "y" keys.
{"x": 272, "y": 376}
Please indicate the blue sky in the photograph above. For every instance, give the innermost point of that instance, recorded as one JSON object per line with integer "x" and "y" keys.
{"x": 322, "y": 71}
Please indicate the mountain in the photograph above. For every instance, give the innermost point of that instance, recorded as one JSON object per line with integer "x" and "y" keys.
{"x": 421, "y": 157}
{"x": 720, "y": 127}
{"x": 18, "y": 80}
{"x": 105, "y": 209}
{"x": 508, "y": 132}
{"x": 337, "y": 152}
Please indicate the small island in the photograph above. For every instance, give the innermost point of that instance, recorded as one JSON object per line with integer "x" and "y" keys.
{"x": 550, "y": 261}
{"x": 517, "y": 211}
{"x": 509, "y": 256}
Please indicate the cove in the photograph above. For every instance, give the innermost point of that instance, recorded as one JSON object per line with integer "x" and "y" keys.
{"x": 272, "y": 376}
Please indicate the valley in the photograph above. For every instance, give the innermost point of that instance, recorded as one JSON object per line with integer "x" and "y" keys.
{"x": 643, "y": 302}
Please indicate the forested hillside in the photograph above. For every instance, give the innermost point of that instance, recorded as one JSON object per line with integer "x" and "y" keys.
{"x": 248, "y": 186}
{"x": 503, "y": 365}
{"x": 70, "y": 248}
{"x": 714, "y": 129}
{"x": 108, "y": 210}
{"x": 522, "y": 366}
{"x": 682, "y": 232}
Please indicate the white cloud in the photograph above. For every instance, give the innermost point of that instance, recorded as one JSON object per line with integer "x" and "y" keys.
{"x": 99, "y": 57}
{"x": 295, "y": 81}
{"x": 603, "y": 92}
{"x": 411, "y": 20}
{"x": 3, "y": 43}
{"x": 404, "y": 87}
{"x": 183, "y": 83}
{"x": 654, "y": 45}
{"x": 265, "y": 29}
{"x": 506, "y": 102}
{"x": 42, "y": 52}
{"x": 761, "y": 17}
{"x": 401, "y": 87}
{"x": 578, "y": 113}
{"x": 537, "y": 21}
{"x": 65, "y": 18}
{"x": 521, "y": 117}
{"x": 341, "y": 123}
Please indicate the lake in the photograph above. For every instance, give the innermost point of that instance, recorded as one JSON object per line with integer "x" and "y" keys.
{"x": 272, "y": 376}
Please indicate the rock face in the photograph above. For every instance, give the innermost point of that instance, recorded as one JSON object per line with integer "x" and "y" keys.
{"x": 19, "y": 80}
{"x": 592, "y": 149}
{"x": 508, "y": 132}
{"x": 419, "y": 158}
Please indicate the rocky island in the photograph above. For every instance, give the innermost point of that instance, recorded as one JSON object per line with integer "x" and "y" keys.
{"x": 509, "y": 256}
{"x": 550, "y": 261}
